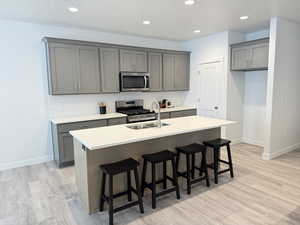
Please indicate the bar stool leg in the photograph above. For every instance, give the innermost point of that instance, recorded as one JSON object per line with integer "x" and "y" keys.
{"x": 144, "y": 178}
{"x": 188, "y": 173}
{"x": 110, "y": 200}
{"x": 193, "y": 166}
{"x": 165, "y": 175}
{"x": 175, "y": 178}
{"x": 177, "y": 160}
{"x": 153, "y": 185}
{"x": 129, "y": 186}
{"x": 101, "y": 206}
{"x": 216, "y": 163}
{"x": 230, "y": 160}
{"x": 204, "y": 168}
{"x": 138, "y": 190}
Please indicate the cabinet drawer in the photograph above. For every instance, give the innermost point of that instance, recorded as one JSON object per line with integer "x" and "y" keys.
{"x": 165, "y": 115}
{"x": 116, "y": 121}
{"x": 184, "y": 113}
{"x": 81, "y": 125}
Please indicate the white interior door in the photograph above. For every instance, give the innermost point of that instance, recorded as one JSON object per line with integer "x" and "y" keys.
{"x": 210, "y": 89}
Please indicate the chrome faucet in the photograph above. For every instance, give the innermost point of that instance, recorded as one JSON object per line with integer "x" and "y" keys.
{"x": 155, "y": 102}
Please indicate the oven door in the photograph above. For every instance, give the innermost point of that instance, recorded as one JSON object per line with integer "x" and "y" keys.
{"x": 134, "y": 81}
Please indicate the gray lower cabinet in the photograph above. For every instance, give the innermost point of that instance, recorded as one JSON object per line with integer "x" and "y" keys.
{"x": 73, "y": 69}
{"x": 110, "y": 69}
{"x": 117, "y": 121}
{"x": 63, "y": 142}
{"x": 176, "y": 72}
{"x": 155, "y": 71}
{"x": 183, "y": 113}
{"x": 252, "y": 55}
{"x": 133, "y": 61}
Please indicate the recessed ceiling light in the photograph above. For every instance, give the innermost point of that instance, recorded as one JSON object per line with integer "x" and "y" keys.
{"x": 197, "y": 31}
{"x": 244, "y": 17}
{"x": 73, "y": 9}
{"x": 189, "y": 2}
{"x": 146, "y": 22}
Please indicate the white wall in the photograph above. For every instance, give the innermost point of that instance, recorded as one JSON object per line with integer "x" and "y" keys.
{"x": 283, "y": 105}
{"x": 235, "y": 94}
{"x": 26, "y": 106}
{"x": 254, "y": 117}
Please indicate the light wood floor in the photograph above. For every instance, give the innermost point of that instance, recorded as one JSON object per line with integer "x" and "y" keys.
{"x": 262, "y": 193}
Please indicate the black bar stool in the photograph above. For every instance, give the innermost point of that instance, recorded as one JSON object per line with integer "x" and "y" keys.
{"x": 155, "y": 158}
{"x": 216, "y": 146}
{"x": 190, "y": 151}
{"x": 124, "y": 166}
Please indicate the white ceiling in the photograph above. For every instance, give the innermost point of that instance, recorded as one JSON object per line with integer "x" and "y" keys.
{"x": 170, "y": 19}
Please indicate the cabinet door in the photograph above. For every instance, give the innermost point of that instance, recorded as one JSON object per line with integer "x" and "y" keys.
{"x": 133, "y": 61}
{"x": 168, "y": 72}
{"x": 155, "y": 70}
{"x": 141, "y": 62}
{"x": 89, "y": 71}
{"x": 63, "y": 74}
{"x": 181, "y": 77}
{"x": 259, "y": 56}
{"x": 239, "y": 58}
{"x": 109, "y": 60}
{"x": 66, "y": 147}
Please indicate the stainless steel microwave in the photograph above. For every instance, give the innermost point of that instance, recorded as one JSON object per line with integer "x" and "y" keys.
{"x": 130, "y": 81}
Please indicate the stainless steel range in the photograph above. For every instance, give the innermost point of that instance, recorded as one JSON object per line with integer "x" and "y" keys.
{"x": 135, "y": 111}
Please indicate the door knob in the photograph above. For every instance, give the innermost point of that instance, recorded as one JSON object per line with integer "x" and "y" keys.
{"x": 216, "y": 107}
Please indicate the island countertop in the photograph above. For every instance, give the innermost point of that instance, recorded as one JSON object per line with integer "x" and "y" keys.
{"x": 103, "y": 137}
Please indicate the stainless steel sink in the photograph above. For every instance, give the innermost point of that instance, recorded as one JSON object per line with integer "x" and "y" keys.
{"x": 146, "y": 125}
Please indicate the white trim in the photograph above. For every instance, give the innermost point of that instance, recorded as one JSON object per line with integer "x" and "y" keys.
{"x": 252, "y": 141}
{"x": 213, "y": 60}
{"x": 268, "y": 155}
{"x": 28, "y": 162}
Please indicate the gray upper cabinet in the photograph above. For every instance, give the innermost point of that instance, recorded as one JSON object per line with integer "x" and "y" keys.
{"x": 133, "y": 61}
{"x": 176, "y": 72}
{"x": 109, "y": 60}
{"x": 239, "y": 58}
{"x": 89, "y": 75}
{"x": 63, "y": 69}
{"x": 80, "y": 67}
{"x": 73, "y": 69}
{"x": 155, "y": 70}
{"x": 259, "y": 56}
{"x": 252, "y": 55}
{"x": 182, "y": 74}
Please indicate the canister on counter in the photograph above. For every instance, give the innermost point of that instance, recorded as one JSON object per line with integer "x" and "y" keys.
{"x": 102, "y": 108}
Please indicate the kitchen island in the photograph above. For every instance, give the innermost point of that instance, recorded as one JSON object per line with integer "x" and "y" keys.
{"x": 93, "y": 147}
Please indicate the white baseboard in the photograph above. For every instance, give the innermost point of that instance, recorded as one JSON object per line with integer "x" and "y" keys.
{"x": 252, "y": 141}
{"x": 272, "y": 155}
{"x": 28, "y": 162}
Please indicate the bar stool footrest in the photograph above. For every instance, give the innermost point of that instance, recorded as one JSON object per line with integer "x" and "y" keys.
{"x": 164, "y": 192}
{"x": 126, "y": 206}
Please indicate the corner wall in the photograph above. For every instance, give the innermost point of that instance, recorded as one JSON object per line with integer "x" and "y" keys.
{"x": 283, "y": 105}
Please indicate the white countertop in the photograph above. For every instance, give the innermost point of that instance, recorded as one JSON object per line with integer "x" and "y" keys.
{"x": 177, "y": 108}
{"x": 103, "y": 137}
{"x": 87, "y": 118}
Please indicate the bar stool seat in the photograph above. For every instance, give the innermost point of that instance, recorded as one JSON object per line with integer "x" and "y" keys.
{"x": 216, "y": 145}
{"x": 154, "y": 159}
{"x": 124, "y": 166}
{"x": 159, "y": 156}
{"x": 119, "y": 167}
{"x": 189, "y": 174}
